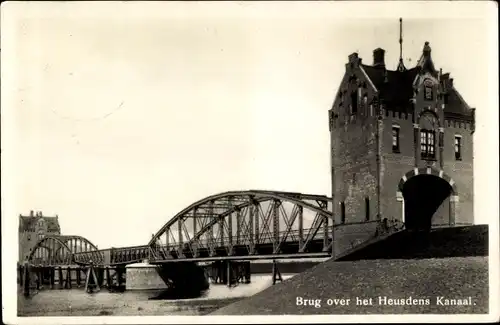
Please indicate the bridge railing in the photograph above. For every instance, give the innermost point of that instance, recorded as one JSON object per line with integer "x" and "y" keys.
{"x": 158, "y": 252}
{"x": 227, "y": 243}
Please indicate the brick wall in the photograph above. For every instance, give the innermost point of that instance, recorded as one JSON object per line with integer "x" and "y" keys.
{"x": 396, "y": 165}
{"x": 355, "y": 169}
{"x": 460, "y": 171}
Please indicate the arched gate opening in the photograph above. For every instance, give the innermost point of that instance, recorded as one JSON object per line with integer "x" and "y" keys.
{"x": 429, "y": 198}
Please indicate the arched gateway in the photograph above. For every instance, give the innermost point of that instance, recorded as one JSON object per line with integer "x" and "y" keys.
{"x": 429, "y": 197}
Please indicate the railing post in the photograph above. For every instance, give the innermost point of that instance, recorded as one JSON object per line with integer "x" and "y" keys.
{"x": 251, "y": 226}
{"x": 301, "y": 227}
{"x": 180, "y": 240}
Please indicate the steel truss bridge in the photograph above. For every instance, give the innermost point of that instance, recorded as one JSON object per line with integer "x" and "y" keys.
{"x": 237, "y": 225}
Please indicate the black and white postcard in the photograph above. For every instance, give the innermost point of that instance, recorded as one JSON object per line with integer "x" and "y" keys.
{"x": 294, "y": 162}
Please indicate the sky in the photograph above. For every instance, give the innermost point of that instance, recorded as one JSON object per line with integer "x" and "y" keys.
{"x": 121, "y": 115}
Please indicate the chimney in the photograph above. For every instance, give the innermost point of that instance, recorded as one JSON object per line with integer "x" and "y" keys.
{"x": 354, "y": 60}
{"x": 378, "y": 58}
{"x": 32, "y": 213}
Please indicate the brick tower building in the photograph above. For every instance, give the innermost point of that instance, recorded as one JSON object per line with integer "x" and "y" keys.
{"x": 32, "y": 228}
{"x": 401, "y": 144}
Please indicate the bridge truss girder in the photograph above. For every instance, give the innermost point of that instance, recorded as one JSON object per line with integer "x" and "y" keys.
{"x": 58, "y": 250}
{"x": 246, "y": 223}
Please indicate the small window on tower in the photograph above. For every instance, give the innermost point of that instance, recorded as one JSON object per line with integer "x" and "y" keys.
{"x": 395, "y": 138}
{"x": 367, "y": 208}
{"x": 342, "y": 212}
{"x": 458, "y": 147}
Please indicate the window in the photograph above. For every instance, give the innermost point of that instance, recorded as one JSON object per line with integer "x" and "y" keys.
{"x": 354, "y": 103}
{"x": 29, "y": 237}
{"x": 427, "y": 144}
{"x": 367, "y": 208}
{"x": 428, "y": 91}
{"x": 342, "y": 212}
{"x": 458, "y": 147}
{"x": 395, "y": 139}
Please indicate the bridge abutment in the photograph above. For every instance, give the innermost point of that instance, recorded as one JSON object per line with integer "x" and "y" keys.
{"x": 143, "y": 276}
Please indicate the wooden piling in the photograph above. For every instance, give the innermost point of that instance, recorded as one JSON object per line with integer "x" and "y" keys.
{"x": 60, "y": 278}
{"x": 229, "y": 274}
{"x": 52, "y": 277}
{"x": 78, "y": 277}
{"x": 91, "y": 282}
{"x": 247, "y": 272}
{"x": 38, "y": 278}
{"x": 109, "y": 283}
{"x": 68, "y": 278}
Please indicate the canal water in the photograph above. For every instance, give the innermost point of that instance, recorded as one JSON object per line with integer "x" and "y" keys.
{"x": 76, "y": 302}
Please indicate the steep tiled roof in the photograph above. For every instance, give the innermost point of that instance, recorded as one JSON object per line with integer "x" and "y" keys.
{"x": 28, "y": 223}
{"x": 394, "y": 87}
{"x": 456, "y": 105}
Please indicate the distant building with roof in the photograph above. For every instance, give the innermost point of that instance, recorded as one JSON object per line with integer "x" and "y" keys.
{"x": 401, "y": 144}
{"x": 34, "y": 227}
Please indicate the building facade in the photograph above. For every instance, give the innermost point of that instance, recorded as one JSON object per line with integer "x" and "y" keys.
{"x": 401, "y": 145}
{"x": 33, "y": 228}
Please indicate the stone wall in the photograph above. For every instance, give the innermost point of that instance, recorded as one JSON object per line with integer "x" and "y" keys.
{"x": 143, "y": 277}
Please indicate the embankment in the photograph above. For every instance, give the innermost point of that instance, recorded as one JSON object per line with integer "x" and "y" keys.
{"x": 396, "y": 276}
